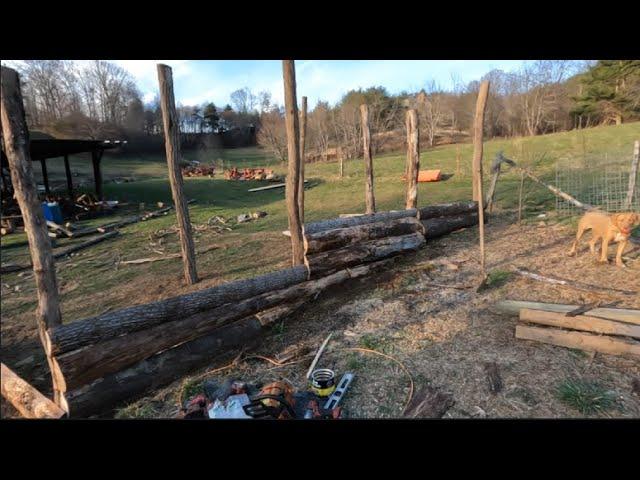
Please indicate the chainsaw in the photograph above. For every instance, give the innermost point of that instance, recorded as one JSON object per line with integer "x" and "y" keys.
{"x": 275, "y": 400}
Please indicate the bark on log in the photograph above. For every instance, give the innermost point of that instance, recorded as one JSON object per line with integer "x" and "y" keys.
{"x": 341, "y": 237}
{"x": 26, "y": 399}
{"x": 585, "y": 323}
{"x": 112, "y": 324}
{"x": 513, "y": 307}
{"x": 494, "y": 378}
{"x": 447, "y": 209}
{"x": 94, "y": 361}
{"x": 413, "y": 159}
{"x": 429, "y": 402}
{"x": 360, "y": 220}
{"x": 325, "y": 263}
{"x": 368, "y": 161}
{"x": 583, "y": 341}
{"x": 174, "y": 363}
{"x": 171, "y": 127}
{"x": 436, "y": 227}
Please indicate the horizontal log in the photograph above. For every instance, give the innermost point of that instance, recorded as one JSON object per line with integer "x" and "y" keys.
{"x": 341, "y": 237}
{"x": 447, "y": 209}
{"x": 94, "y": 361}
{"x": 169, "y": 365}
{"x": 26, "y": 399}
{"x": 437, "y": 227}
{"x": 571, "y": 283}
{"x": 324, "y": 263}
{"x": 580, "y": 322}
{"x": 513, "y": 307}
{"x": 359, "y": 220}
{"x": 139, "y": 317}
{"x": 580, "y": 340}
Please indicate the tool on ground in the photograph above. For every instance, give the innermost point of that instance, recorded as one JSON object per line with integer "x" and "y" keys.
{"x": 331, "y": 410}
{"x": 323, "y": 382}
{"x": 275, "y": 400}
{"x": 317, "y": 357}
{"x": 337, "y": 395}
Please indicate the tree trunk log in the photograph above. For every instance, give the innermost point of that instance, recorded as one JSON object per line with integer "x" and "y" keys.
{"x": 586, "y": 323}
{"x": 413, "y": 159}
{"x": 333, "y": 223}
{"x": 139, "y": 317}
{"x": 436, "y": 227}
{"x": 26, "y": 399}
{"x": 447, "y": 209}
{"x": 341, "y": 237}
{"x": 293, "y": 173}
{"x": 167, "y": 366}
{"x": 325, "y": 263}
{"x": 429, "y": 402}
{"x": 368, "y": 160}
{"x": 172, "y": 145}
{"x": 513, "y": 307}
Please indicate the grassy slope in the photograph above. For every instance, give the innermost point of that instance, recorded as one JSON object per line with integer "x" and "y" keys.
{"x": 259, "y": 246}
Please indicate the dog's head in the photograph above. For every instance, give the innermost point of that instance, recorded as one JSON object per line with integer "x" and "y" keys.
{"x": 626, "y": 221}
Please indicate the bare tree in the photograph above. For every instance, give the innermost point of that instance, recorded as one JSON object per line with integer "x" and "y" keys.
{"x": 272, "y": 134}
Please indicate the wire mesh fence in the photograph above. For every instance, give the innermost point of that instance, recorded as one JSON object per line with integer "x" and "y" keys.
{"x": 601, "y": 181}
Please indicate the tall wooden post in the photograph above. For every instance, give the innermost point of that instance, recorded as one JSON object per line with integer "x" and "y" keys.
{"x": 368, "y": 160}
{"x": 477, "y": 139}
{"x": 341, "y": 161}
{"x": 293, "y": 173}
{"x": 477, "y": 165}
{"x": 45, "y": 176}
{"x": 413, "y": 159}
{"x": 303, "y": 133}
{"x": 172, "y": 147}
{"x": 633, "y": 175}
{"x": 67, "y": 171}
{"x": 16, "y": 140}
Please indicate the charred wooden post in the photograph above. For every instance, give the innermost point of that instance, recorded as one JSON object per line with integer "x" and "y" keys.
{"x": 303, "y": 133}
{"x": 413, "y": 159}
{"x": 293, "y": 173}
{"x": 16, "y": 140}
{"x": 368, "y": 160}
{"x": 172, "y": 146}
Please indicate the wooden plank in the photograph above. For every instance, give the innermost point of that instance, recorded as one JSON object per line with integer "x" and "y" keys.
{"x": 103, "y": 327}
{"x": 413, "y": 159}
{"x": 580, "y": 340}
{"x": 172, "y": 146}
{"x": 26, "y": 399}
{"x": 368, "y": 160}
{"x": 513, "y": 307}
{"x": 269, "y": 187}
{"x": 359, "y": 220}
{"x": 293, "y": 154}
{"x": 15, "y": 134}
{"x": 584, "y": 323}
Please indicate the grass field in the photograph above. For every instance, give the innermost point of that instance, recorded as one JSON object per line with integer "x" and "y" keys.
{"x": 259, "y": 246}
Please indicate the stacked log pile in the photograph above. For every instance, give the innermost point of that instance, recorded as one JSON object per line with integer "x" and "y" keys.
{"x": 101, "y": 361}
{"x": 199, "y": 171}
{"x": 250, "y": 174}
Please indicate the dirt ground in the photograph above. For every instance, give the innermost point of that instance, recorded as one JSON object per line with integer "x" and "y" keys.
{"x": 443, "y": 335}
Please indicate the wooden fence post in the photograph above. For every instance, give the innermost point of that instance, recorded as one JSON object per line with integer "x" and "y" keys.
{"x": 477, "y": 165}
{"x": 520, "y": 192}
{"x": 633, "y": 175}
{"x": 368, "y": 160}
{"x": 172, "y": 147}
{"x": 341, "y": 161}
{"x": 16, "y": 141}
{"x": 293, "y": 173}
{"x": 413, "y": 159}
{"x": 303, "y": 133}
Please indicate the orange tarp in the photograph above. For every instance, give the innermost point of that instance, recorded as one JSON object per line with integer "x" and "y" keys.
{"x": 429, "y": 176}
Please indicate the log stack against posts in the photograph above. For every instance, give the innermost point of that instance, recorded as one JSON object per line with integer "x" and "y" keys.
{"x": 293, "y": 173}
{"x": 303, "y": 134}
{"x": 368, "y": 160}
{"x": 172, "y": 146}
{"x": 16, "y": 142}
{"x": 413, "y": 159}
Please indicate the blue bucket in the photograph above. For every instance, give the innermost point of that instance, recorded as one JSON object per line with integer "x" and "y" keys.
{"x": 52, "y": 212}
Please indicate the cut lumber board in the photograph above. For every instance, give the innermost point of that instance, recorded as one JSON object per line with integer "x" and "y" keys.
{"x": 330, "y": 224}
{"x": 580, "y": 340}
{"x": 580, "y": 322}
{"x": 139, "y": 317}
{"x": 341, "y": 237}
{"x": 270, "y": 187}
{"x": 447, "y": 209}
{"x": 26, "y": 399}
{"x": 324, "y": 263}
{"x": 88, "y": 363}
{"x": 513, "y": 307}
{"x": 439, "y": 226}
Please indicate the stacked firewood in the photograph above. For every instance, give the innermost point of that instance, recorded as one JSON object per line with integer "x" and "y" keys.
{"x": 199, "y": 171}
{"x": 249, "y": 174}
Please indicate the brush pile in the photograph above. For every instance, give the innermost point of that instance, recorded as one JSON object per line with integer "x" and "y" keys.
{"x": 250, "y": 174}
{"x": 199, "y": 171}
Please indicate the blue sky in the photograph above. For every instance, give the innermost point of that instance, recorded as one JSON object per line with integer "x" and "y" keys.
{"x": 197, "y": 81}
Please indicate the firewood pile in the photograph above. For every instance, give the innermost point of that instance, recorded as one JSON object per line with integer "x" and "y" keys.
{"x": 199, "y": 171}
{"x": 250, "y": 174}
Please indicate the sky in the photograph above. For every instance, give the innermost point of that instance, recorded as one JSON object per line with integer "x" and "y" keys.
{"x": 198, "y": 81}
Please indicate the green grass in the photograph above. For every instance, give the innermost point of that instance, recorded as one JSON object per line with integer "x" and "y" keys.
{"x": 498, "y": 278}
{"x": 586, "y": 396}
